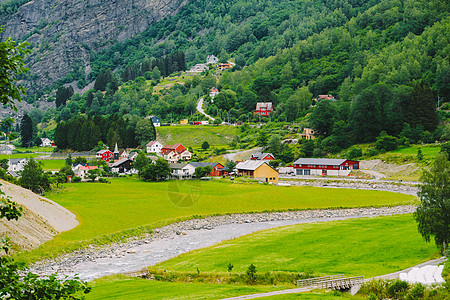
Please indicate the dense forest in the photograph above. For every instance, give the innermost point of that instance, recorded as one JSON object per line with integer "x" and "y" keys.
{"x": 385, "y": 62}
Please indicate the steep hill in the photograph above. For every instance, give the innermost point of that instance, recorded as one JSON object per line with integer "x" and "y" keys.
{"x": 41, "y": 219}
{"x": 63, "y": 33}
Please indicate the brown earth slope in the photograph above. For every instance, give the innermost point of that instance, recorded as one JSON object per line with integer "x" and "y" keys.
{"x": 41, "y": 219}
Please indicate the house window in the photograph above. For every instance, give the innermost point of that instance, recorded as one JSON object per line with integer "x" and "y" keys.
{"x": 306, "y": 172}
{"x": 299, "y": 172}
{"x": 356, "y": 166}
{"x": 324, "y": 172}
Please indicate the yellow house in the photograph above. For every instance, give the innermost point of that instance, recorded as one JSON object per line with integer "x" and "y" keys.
{"x": 184, "y": 122}
{"x": 259, "y": 170}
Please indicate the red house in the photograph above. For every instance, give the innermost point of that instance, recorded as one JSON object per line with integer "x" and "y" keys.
{"x": 175, "y": 147}
{"x": 105, "y": 155}
{"x": 262, "y": 156}
{"x": 216, "y": 167}
{"x": 263, "y": 108}
{"x": 324, "y": 166}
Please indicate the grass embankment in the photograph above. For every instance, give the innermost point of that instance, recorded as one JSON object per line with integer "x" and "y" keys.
{"x": 368, "y": 247}
{"x": 195, "y": 135}
{"x": 129, "y": 207}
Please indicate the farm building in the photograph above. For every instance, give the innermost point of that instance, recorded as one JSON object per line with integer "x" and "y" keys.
{"x": 258, "y": 169}
{"x": 263, "y": 108}
{"x": 324, "y": 166}
{"x": 262, "y": 156}
{"x": 156, "y": 121}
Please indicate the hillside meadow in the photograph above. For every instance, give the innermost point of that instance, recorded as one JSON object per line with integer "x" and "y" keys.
{"x": 129, "y": 206}
{"x": 195, "y": 135}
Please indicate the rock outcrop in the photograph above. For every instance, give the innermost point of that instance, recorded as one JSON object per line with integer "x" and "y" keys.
{"x": 64, "y": 33}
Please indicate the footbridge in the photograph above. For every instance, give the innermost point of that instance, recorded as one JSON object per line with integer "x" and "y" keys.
{"x": 335, "y": 282}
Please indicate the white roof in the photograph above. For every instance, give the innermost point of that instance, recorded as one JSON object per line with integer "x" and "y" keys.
{"x": 250, "y": 165}
{"x": 319, "y": 161}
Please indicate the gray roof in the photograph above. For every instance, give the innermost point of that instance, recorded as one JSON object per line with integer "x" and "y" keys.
{"x": 120, "y": 161}
{"x": 251, "y": 165}
{"x": 13, "y": 174}
{"x": 196, "y": 164}
{"x": 15, "y": 161}
{"x": 177, "y": 166}
{"x": 319, "y": 161}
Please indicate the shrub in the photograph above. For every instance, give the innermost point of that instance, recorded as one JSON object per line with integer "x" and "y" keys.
{"x": 417, "y": 292}
{"x": 354, "y": 153}
{"x": 76, "y": 179}
{"x": 397, "y": 289}
{"x": 251, "y": 274}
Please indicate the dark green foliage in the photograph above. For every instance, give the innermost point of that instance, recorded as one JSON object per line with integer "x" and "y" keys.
{"x": 106, "y": 79}
{"x": 386, "y": 142}
{"x": 158, "y": 171}
{"x": 9, "y": 209}
{"x": 433, "y": 213}
{"x": 354, "y": 152}
{"x": 323, "y": 117}
{"x": 202, "y": 171}
{"x": 230, "y": 267}
{"x": 33, "y": 178}
{"x": 251, "y": 274}
{"x": 205, "y": 145}
{"x": 262, "y": 138}
{"x": 62, "y": 95}
{"x": 141, "y": 162}
{"x": 397, "y": 289}
{"x": 145, "y": 131}
{"x": 419, "y": 155}
{"x": 26, "y": 131}
{"x": 420, "y": 109}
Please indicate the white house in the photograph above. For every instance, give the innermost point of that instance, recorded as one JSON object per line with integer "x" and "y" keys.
{"x": 211, "y": 59}
{"x": 154, "y": 147}
{"x": 181, "y": 171}
{"x": 16, "y": 164}
{"x": 6, "y": 149}
{"x": 156, "y": 121}
{"x": 45, "y": 142}
{"x": 82, "y": 170}
{"x": 214, "y": 92}
{"x": 198, "y": 68}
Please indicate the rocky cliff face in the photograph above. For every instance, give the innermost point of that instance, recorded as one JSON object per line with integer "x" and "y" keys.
{"x": 64, "y": 33}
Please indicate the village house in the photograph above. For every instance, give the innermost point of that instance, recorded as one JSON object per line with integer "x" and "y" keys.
{"x": 214, "y": 92}
{"x": 198, "y": 68}
{"x": 307, "y": 134}
{"x": 154, "y": 147}
{"x": 122, "y": 166}
{"x": 262, "y": 156}
{"x": 155, "y": 120}
{"x": 184, "y": 122}
{"x": 324, "y": 97}
{"x": 46, "y": 142}
{"x": 324, "y": 166}
{"x": 211, "y": 59}
{"x": 175, "y": 153}
{"x": 216, "y": 167}
{"x": 16, "y": 164}
{"x": 181, "y": 170}
{"x": 263, "y": 108}
{"x": 105, "y": 155}
{"x": 259, "y": 170}
{"x": 225, "y": 66}
{"x": 83, "y": 170}
{"x": 6, "y": 149}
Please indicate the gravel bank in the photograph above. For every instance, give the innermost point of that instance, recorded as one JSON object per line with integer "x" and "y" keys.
{"x": 172, "y": 240}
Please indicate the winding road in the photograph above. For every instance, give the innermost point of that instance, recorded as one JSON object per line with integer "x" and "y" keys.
{"x": 200, "y": 109}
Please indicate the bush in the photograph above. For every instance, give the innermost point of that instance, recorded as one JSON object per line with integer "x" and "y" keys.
{"x": 397, "y": 289}
{"x": 76, "y": 179}
{"x": 417, "y": 292}
{"x": 354, "y": 153}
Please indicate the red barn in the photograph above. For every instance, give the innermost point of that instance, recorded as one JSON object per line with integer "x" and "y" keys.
{"x": 324, "y": 166}
{"x": 105, "y": 155}
{"x": 216, "y": 167}
{"x": 263, "y": 108}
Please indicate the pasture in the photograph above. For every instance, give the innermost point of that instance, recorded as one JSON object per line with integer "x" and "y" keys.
{"x": 52, "y": 164}
{"x": 195, "y": 135}
{"x": 129, "y": 206}
{"x": 368, "y": 246}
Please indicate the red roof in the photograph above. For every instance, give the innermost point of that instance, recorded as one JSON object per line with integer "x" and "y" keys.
{"x": 214, "y": 90}
{"x": 88, "y": 167}
{"x": 151, "y": 143}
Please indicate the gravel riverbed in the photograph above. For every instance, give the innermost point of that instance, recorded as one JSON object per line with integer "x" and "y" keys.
{"x": 172, "y": 240}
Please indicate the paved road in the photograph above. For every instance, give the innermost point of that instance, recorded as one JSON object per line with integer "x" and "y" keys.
{"x": 200, "y": 109}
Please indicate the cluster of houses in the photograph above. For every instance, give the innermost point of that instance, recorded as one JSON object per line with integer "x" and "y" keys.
{"x": 210, "y": 60}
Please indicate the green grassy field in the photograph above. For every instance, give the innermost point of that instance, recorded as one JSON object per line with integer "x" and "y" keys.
{"x": 19, "y": 155}
{"x": 194, "y": 135}
{"x": 52, "y": 164}
{"x": 428, "y": 151}
{"x": 369, "y": 247}
{"x": 124, "y": 206}
{"x": 121, "y": 287}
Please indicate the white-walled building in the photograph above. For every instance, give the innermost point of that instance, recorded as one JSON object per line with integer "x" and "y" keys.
{"x": 154, "y": 147}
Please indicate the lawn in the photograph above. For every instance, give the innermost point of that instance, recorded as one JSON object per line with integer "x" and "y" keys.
{"x": 52, "y": 164}
{"x": 195, "y": 135}
{"x": 121, "y": 287}
{"x": 123, "y": 207}
{"x": 428, "y": 151}
{"x": 19, "y": 155}
{"x": 369, "y": 247}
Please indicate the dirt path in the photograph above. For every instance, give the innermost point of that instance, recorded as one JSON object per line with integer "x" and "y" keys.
{"x": 241, "y": 155}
